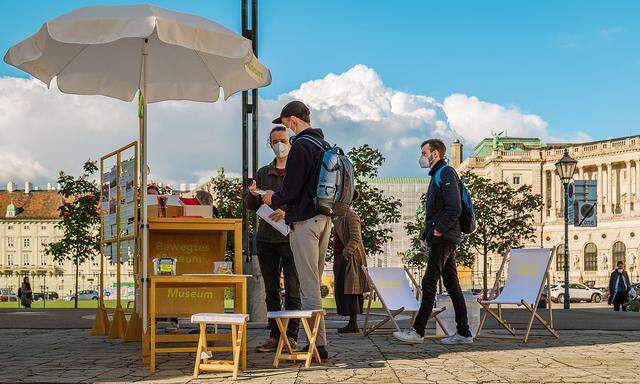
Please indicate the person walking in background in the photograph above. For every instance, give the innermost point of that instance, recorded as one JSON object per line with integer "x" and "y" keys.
{"x": 310, "y": 230}
{"x": 350, "y": 281}
{"x": 26, "y": 294}
{"x": 441, "y": 236}
{"x": 619, "y": 287}
{"x": 274, "y": 251}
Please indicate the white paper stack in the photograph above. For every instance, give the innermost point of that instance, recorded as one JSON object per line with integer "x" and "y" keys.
{"x": 264, "y": 211}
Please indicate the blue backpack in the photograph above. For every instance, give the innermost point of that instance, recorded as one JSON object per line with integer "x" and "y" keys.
{"x": 335, "y": 188}
{"x": 468, "y": 215}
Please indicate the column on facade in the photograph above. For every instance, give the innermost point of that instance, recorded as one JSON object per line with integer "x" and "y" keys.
{"x": 553, "y": 195}
{"x": 637, "y": 203}
{"x": 610, "y": 197}
{"x": 627, "y": 200}
{"x": 581, "y": 173}
{"x": 544, "y": 194}
{"x": 600, "y": 189}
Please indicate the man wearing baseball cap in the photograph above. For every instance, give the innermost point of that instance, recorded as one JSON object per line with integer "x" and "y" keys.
{"x": 310, "y": 229}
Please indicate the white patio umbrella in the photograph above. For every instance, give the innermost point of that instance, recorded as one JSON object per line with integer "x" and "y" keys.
{"x": 117, "y": 51}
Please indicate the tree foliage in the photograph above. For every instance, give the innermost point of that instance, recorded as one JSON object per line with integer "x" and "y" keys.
{"x": 80, "y": 219}
{"x": 505, "y": 215}
{"x": 375, "y": 210}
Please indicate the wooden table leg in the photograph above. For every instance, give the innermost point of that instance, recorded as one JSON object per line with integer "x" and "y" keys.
{"x": 152, "y": 338}
{"x": 240, "y": 306}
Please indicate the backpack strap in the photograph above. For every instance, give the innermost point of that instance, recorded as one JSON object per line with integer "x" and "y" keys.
{"x": 322, "y": 145}
{"x": 438, "y": 177}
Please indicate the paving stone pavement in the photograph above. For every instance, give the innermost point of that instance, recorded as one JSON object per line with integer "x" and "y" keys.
{"x": 73, "y": 355}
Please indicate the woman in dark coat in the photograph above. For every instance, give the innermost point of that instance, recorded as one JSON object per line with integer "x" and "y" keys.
{"x": 619, "y": 285}
{"x": 26, "y": 295}
{"x": 350, "y": 281}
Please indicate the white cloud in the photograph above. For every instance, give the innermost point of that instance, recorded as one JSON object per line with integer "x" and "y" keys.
{"x": 474, "y": 119}
{"x": 43, "y": 131}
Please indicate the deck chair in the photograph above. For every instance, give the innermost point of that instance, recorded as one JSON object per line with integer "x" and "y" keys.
{"x": 391, "y": 285}
{"x": 527, "y": 270}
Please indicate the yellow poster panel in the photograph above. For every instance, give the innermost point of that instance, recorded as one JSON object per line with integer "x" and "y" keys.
{"x": 195, "y": 252}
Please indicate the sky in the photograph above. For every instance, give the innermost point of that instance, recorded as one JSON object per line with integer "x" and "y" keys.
{"x": 387, "y": 73}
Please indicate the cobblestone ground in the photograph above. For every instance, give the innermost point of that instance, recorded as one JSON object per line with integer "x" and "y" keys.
{"x": 69, "y": 356}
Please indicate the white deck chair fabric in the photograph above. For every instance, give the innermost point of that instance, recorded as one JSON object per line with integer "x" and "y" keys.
{"x": 526, "y": 271}
{"x": 393, "y": 285}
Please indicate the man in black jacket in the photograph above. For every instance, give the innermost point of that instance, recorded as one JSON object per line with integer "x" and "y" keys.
{"x": 274, "y": 250}
{"x": 310, "y": 230}
{"x": 441, "y": 236}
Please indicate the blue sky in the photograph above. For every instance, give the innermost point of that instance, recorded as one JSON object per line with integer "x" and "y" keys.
{"x": 566, "y": 70}
{"x": 575, "y": 63}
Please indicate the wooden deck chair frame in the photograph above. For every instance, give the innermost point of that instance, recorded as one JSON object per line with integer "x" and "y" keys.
{"x": 533, "y": 310}
{"x": 391, "y": 314}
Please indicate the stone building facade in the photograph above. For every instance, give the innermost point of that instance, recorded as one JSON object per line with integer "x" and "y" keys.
{"x": 615, "y": 164}
{"x": 28, "y": 221}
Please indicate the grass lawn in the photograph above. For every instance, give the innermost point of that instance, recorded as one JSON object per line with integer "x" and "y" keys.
{"x": 327, "y": 303}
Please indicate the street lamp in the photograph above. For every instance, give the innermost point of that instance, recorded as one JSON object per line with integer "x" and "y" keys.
{"x": 566, "y": 167}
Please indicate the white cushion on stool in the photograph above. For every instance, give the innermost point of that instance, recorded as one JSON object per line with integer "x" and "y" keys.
{"x": 219, "y": 318}
{"x": 298, "y": 314}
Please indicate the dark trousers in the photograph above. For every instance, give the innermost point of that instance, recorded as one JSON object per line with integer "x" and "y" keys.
{"x": 275, "y": 258}
{"x": 618, "y": 300}
{"x": 442, "y": 264}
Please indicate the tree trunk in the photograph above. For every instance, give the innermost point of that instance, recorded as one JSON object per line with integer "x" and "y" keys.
{"x": 75, "y": 305}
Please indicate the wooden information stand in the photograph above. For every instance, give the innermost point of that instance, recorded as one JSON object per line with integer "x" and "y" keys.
{"x": 196, "y": 243}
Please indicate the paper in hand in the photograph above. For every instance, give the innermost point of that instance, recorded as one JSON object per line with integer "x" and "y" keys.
{"x": 264, "y": 211}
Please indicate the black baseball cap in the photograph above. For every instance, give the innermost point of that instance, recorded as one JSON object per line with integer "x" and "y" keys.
{"x": 293, "y": 108}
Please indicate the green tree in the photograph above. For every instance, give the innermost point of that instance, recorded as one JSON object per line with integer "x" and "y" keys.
{"x": 227, "y": 198}
{"x": 80, "y": 219}
{"x": 506, "y": 218}
{"x": 414, "y": 257}
{"x": 375, "y": 210}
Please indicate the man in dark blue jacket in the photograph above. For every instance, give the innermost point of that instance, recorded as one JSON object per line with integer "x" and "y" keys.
{"x": 310, "y": 229}
{"x": 441, "y": 236}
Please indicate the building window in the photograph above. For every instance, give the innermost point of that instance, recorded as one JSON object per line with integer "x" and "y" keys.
{"x": 516, "y": 180}
{"x": 10, "y": 260}
{"x": 11, "y": 242}
{"x": 25, "y": 259}
{"x": 560, "y": 257}
{"x": 43, "y": 228}
{"x": 590, "y": 257}
{"x": 26, "y": 227}
{"x": 43, "y": 260}
{"x": 10, "y": 227}
{"x": 618, "y": 252}
{"x": 26, "y": 242}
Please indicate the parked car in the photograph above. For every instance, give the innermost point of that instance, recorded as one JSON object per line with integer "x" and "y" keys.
{"x": 605, "y": 292}
{"x": 577, "y": 292}
{"x": 88, "y": 294}
{"x": 49, "y": 295}
{"x": 7, "y": 294}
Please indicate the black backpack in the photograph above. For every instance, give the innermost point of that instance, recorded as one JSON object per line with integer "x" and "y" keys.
{"x": 335, "y": 188}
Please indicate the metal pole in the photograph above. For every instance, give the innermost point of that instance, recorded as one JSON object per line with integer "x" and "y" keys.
{"x": 567, "y": 300}
{"x": 143, "y": 165}
{"x": 245, "y": 145}
{"x": 254, "y": 107}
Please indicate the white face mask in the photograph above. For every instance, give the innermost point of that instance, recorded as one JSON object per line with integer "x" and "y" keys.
{"x": 280, "y": 149}
{"x": 620, "y": 270}
{"x": 424, "y": 162}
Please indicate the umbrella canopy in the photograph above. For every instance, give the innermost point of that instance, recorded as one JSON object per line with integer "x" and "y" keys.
{"x": 99, "y": 51}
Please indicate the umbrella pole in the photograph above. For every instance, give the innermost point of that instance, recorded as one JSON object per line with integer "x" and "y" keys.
{"x": 143, "y": 162}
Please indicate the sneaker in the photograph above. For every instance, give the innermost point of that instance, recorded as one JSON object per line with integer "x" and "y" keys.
{"x": 322, "y": 351}
{"x": 268, "y": 346}
{"x": 409, "y": 336}
{"x": 457, "y": 339}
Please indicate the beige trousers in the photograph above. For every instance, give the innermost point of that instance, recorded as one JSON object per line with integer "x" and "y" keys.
{"x": 309, "y": 240}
